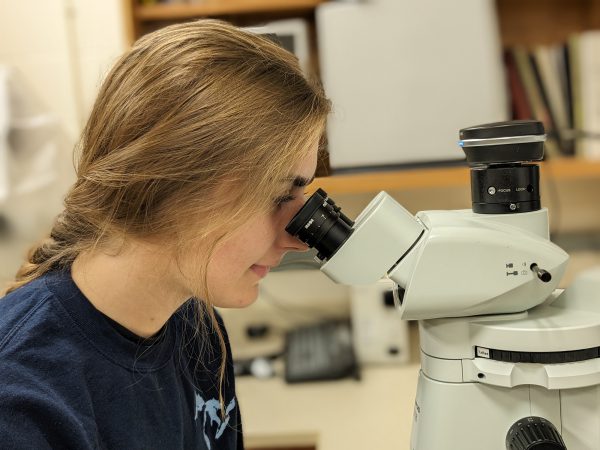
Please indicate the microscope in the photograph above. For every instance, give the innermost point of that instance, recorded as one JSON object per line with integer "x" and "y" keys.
{"x": 508, "y": 360}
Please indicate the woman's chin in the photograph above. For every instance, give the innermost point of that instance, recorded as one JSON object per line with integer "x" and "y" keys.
{"x": 238, "y": 299}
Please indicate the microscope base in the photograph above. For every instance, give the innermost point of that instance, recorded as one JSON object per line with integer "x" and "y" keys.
{"x": 467, "y": 400}
{"x": 472, "y": 416}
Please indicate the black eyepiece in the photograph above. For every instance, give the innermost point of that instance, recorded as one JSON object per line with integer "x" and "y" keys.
{"x": 321, "y": 224}
{"x": 502, "y": 156}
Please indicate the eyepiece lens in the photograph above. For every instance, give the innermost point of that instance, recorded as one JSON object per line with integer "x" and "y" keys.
{"x": 320, "y": 224}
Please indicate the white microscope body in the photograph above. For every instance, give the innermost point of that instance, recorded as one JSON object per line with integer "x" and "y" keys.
{"x": 503, "y": 351}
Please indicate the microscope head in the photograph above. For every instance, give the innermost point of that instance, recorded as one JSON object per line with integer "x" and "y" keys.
{"x": 494, "y": 259}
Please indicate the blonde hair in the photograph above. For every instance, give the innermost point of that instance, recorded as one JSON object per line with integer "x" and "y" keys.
{"x": 190, "y": 109}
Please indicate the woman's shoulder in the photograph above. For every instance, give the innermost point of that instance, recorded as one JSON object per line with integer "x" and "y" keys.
{"x": 38, "y": 335}
{"x": 33, "y": 367}
{"x": 24, "y": 310}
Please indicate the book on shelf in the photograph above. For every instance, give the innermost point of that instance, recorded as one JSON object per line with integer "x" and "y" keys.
{"x": 535, "y": 97}
{"x": 566, "y": 75}
{"x": 548, "y": 62}
{"x": 560, "y": 85}
{"x": 575, "y": 89}
{"x": 587, "y": 47}
{"x": 519, "y": 103}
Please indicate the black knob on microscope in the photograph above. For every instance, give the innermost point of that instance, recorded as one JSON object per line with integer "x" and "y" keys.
{"x": 534, "y": 433}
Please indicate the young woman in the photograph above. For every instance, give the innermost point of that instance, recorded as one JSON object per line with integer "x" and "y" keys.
{"x": 193, "y": 160}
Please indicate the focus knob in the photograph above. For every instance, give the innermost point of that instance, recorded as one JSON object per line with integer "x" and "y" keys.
{"x": 534, "y": 433}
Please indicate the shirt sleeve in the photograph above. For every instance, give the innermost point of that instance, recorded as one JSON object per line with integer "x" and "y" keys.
{"x": 30, "y": 421}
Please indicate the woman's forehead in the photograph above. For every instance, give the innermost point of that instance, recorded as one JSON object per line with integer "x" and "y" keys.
{"x": 308, "y": 165}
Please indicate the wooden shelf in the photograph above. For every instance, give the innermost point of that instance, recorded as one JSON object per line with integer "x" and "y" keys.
{"x": 212, "y": 8}
{"x": 442, "y": 177}
{"x": 531, "y": 23}
{"x": 524, "y": 22}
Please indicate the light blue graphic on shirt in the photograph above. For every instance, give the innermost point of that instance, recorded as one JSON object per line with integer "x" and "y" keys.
{"x": 209, "y": 410}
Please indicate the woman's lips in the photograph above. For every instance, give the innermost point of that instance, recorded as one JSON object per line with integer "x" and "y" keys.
{"x": 261, "y": 271}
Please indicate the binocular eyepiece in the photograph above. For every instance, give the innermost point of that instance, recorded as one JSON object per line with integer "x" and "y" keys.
{"x": 321, "y": 224}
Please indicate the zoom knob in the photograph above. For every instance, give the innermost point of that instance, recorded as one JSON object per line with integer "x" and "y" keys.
{"x": 534, "y": 433}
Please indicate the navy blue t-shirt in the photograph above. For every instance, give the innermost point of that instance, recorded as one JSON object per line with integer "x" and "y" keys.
{"x": 70, "y": 377}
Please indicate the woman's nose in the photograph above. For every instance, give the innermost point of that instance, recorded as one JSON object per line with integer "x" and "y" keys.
{"x": 291, "y": 243}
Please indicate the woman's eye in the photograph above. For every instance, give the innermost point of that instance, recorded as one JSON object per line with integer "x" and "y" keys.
{"x": 280, "y": 201}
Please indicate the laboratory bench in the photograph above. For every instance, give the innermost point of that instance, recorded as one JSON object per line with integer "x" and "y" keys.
{"x": 372, "y": 412}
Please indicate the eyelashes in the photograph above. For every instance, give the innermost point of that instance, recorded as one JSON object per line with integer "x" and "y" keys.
{"x": 280, "y": 201}
{"x": 292, "y": 195}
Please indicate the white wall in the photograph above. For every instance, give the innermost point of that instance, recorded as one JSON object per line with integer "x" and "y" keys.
{"x": 35, "y": 40}
{"x": 61, "y": 50}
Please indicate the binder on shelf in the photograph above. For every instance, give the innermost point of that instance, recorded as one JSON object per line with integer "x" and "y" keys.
{"x": 404, "y": 78}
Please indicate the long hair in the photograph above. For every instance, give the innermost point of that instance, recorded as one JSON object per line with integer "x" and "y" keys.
{"x": 191, "y": 111}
